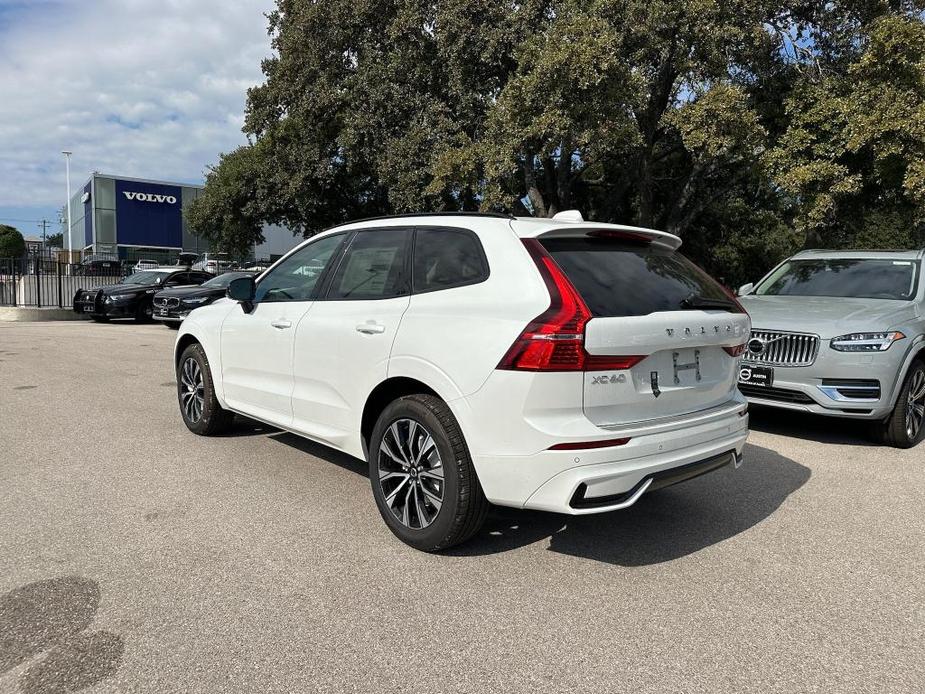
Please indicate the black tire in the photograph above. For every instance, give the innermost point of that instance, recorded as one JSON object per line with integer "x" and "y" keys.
{"x": 99, "y": 319}
{"x": 144, "y": 312}
{"x": 212, "y": 418}
{"x": 464, "y": 505}
{"x": 899, "y": 429}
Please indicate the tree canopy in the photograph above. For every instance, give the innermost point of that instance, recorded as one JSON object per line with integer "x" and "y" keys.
{"x": 12, "y": 244}
{"x": 749, "y": 127}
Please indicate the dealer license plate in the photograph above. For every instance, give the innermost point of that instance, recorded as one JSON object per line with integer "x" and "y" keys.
{"x": 756, "y": 376}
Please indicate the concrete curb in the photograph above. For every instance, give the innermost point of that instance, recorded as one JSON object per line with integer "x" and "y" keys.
{"x": 19, "y": 314}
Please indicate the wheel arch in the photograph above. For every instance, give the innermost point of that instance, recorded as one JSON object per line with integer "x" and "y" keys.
{"x": 183, "y": 341}
{"x": 916, "y": 352}
{"x": 388, "y": 391}
{"x": 188, "y": 336}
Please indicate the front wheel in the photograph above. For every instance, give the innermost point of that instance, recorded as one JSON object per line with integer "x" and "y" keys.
{"x": 422, "y": 476}
{"x": 905, "y": 427}
{"x": 199, "y": 405}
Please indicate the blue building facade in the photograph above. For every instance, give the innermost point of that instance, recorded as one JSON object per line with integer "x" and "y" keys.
{"x": 135, "y": 219}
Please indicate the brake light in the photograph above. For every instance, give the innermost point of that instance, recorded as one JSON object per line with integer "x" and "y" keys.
{"x": 736, "y": 351}
{"x": 554, "y": 340}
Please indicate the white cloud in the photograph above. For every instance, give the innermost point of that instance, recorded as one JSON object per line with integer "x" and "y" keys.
{"x": 148, "y": 89}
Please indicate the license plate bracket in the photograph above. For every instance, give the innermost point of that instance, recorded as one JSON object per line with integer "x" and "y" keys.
{"x": 762, "y": 376}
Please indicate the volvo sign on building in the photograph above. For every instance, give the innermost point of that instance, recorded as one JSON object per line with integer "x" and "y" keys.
{"x": 143, "y": 219}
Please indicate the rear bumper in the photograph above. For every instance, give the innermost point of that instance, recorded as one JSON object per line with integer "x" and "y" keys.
{"x": 618, "y": 484}
{"x": 657, "y": 480}
{"x": 548, "y": 479}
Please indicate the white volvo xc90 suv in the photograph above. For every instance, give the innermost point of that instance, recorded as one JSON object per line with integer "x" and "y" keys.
{"x": 550, "y": 364}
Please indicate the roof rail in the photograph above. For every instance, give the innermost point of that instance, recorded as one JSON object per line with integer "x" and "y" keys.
{"x": 496, "y": 215}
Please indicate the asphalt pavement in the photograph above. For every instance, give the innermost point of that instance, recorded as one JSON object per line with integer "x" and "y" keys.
{"x": 137, "y": 557}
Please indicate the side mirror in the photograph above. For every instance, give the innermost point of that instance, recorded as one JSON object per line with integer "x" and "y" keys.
{"x": 745, "y": 289}
{"x": 242, "y": 289}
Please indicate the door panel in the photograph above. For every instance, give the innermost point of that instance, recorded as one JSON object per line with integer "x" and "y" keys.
{"x": 257, "y": 346}
{"x": 342, "y": 353}
{"x": 257, "y": 359}
{"x": 343, "y": 343}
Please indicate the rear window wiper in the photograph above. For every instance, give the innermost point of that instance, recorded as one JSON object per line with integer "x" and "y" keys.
{"x": 696, "y": 301}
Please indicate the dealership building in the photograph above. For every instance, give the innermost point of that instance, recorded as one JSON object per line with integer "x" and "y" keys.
{"x": 136, "y": 218}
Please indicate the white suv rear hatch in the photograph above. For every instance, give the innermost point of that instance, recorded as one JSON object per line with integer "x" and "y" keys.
{"x": 679, "y": 329}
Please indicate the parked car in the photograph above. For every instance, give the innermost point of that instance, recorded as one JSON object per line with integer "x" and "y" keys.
{"x": 145, "y": 265}
{"x": 840, "y": 333}
{"x": 99, "y": 265}
{"x": 132, "y": 297}
{"x": 173, "y": 304}
{"x": 216, "y": 263}
{"x": 551, "y": 364}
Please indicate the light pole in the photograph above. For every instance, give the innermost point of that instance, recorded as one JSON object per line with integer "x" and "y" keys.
{"x": 67, "y": 205}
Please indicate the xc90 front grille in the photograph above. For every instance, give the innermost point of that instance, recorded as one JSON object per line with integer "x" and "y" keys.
{"x": 776, "y": 348}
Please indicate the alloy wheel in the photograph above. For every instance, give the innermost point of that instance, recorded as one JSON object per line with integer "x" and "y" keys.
{"x": 915, "y": 405}
{"x": 411, "y": 473}
{"x": 192, "y": 390}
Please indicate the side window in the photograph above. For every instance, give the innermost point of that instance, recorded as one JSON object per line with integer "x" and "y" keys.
{"x": 177, "y": 279}
{"x": 445, "y": 258}
{"x": 294, "y": 278}
{"x": 373, "y": 266}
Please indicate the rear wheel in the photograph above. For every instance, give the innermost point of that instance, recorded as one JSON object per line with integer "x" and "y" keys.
{"x": 422, "y": 476}
{"x": 905, "y": 427}
{"x": 199, "y": 406}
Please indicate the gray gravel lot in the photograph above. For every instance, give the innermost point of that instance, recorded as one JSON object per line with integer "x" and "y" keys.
{"x": 135, "y": 556}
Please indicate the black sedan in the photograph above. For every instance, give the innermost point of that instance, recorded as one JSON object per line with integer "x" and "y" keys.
{"x": 174, "y": 304}
{"x": 132, "y": 297}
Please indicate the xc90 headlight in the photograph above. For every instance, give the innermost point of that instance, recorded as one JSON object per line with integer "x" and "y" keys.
{"x": 195, "y": 301}
{"x": 866, "y": 342}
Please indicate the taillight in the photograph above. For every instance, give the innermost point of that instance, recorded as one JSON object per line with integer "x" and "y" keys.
{"x": 736, "y": 351}
{"x": 554, "y": 340}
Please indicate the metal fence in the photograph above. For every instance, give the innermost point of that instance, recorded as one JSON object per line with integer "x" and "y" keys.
{"x": 45, "y": 281}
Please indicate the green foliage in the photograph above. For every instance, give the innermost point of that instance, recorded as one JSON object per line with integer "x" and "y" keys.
{"x": 749, "y": 127}
{"x": 54, "y": 240}
{"x": 12, "y": 244}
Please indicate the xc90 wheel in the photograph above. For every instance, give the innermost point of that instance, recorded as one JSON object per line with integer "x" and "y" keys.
{"x": 905, "y": 427}
{"x": 199, "y": 406}
{"x": 422, "y": 475}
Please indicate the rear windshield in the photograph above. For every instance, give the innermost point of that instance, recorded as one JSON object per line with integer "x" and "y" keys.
{"x": 844, "y": 277}
{"x": 616, "y": 278}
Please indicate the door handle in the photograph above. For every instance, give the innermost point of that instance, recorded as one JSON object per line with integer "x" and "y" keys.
{"x": 281, "y": 324}
{"x": 371, "y": 328}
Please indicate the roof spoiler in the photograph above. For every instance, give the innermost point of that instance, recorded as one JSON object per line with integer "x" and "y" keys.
{"x": 661, "y": 238}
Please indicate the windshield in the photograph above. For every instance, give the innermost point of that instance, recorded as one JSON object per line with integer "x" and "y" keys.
{"x": 148, "y": 277}
{"x": 854, "y": 278}
{"x": 224, "y": 280}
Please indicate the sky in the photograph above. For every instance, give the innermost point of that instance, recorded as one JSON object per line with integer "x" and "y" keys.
{"x": 150, "y": 89}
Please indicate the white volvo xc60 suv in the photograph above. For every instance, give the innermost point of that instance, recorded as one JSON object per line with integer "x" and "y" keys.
{"x": 550, "y": 364}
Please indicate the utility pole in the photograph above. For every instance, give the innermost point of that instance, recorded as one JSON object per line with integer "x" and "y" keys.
{"x": 44, "y": 224}
{"x": 67, "y": 168}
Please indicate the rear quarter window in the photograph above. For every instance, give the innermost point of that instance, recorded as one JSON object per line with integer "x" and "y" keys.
{"x": 620, "y": 278}
{"x": 446, "y": 258}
